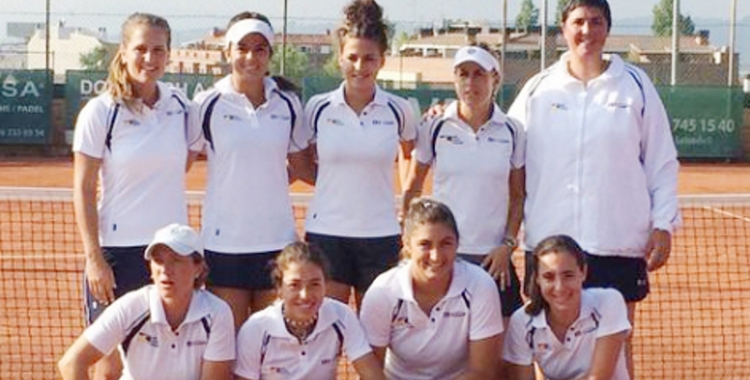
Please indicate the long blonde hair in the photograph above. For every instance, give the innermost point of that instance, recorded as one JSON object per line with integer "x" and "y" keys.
{"x": 119, "y": 82}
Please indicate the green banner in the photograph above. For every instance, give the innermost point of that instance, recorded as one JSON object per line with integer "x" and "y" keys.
{"x": 80, "y": 86}
{"x": 25, "y": 106}
{"x": 706, "y": 121}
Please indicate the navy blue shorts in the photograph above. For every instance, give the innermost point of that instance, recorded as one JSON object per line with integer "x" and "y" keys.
{"x": 250, "y": 271}
{"x": 510, "y": 298}
{"x": 626, "y": 274}
{"x": 357, "y": 261}
{"x": 130, "y": 270}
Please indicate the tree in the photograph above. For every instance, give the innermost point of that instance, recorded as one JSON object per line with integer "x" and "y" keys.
{"x": 558, "y": 13}
{"x": 662, "y": 24}
{"x": 528, "y": 16}
{"x": 97, "y": 59}
{"x": 295, "y": 67}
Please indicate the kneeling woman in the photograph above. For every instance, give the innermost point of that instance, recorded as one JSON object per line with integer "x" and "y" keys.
{"x": 434, "y": 317}
{"x": 303, "y": 335}
{"x": 570, "y": 332}
{"x": 169, "y": 330}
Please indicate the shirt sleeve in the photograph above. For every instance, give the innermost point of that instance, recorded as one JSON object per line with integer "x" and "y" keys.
{"x": 249, "y": 342}
{"x": 486, "y": 317}
{"x": 659, "y": 157}
{"x": 311, "y": 113}
{"x": 409, "y": 131}
{"x": 518, "y": 159}
{"x": 375, "y": 317}
{"x": 195, "y": 139}
{"x": 614, "y": 313}
{"x": 516, "y": 349}
{"x": 91, "y": 128}
{"x": 109, "y": 329}
{"x": 518, "y": 109}
{"x": 221, "y": 342}
{"x": 300, "y": 136}
{"x": 355, "y": 341}
{"x": 424, "y": 146}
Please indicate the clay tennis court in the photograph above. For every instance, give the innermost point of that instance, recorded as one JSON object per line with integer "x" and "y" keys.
{"x": 694, "y": 325}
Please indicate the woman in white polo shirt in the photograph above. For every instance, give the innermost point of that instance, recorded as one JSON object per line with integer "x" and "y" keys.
{"x": 302, "y": 336}
{"x": 356, "y": 130}
{"x": 570, "y": 332}
{"x": 251, "y": 125}
{"x": 478, "y": 154}
{"x": 601, "y": 163}
{"x": 135, "y": 139}
{"x": 171, "y": 330}
{"x": 433, "y": 316}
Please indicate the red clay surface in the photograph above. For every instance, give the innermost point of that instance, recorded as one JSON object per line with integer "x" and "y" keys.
{"x": 695, "y": 178}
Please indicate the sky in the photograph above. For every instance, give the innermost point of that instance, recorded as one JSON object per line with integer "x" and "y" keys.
{"x": 195, "y": 14}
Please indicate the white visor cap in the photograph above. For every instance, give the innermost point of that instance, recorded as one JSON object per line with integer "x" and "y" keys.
{"x": 183, "y": 240}
{"x": 242, "y": 28}
{"x": 477, "y": 55}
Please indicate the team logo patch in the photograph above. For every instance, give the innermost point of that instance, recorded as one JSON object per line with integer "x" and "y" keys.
{"x": 133, "y": 122}
{"x": 192, "y": 343}
{"x": 231, "y": 117}
{"x": 176, "y": 112}
{"x": 152, "y": 341}
{"x": 453, "y": 139}
{"x": 559, "y": 106}
{"x": 335, "y": 121}
{"x": 383, "y": 122}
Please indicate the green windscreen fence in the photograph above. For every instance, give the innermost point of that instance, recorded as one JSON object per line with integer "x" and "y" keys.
{"x": 706, "y": 121}
{"x": 25, "y": 107}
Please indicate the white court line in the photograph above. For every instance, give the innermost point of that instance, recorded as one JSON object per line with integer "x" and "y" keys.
{"x": 726, "y": 213}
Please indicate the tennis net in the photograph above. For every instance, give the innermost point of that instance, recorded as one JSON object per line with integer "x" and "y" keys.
{"x": 694, "y": 325}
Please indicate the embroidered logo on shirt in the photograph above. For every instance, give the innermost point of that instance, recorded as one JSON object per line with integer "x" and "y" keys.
{"x": 282, "y": 117}
{"x": 231, "y": 117}
{"x": 335, "y": 121}
{"x": 133, "y": 122}
{"x": 383, "y": 122}
{"x": 175, "y": 112}
{"x": 453, "y": 139}
{"x": 559, "y": 106}
{"x": 279, "y": 370}
{"x": 617, "y": 105}
{"x": 151, "y": 340}
{"x": 327, "y": 361}
{"x": 455, "y": 314}
{"x": 196, "y": 343}
{"x": 496, "y": 140}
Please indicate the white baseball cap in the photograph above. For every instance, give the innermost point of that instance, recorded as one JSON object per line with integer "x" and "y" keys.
{"x": 183, "y": 240}
{"x": 242, "y": 28}
{"x": 477, "y": 55}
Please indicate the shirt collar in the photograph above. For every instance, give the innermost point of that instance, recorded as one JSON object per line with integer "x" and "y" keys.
{"x": 225, "y": 87}
{"x": 615, "y": 69}
{"x": 497, "y": 117}
{"x": 457, "y": 286}
{"x": 326, "y": 317}
{"x": 380, "y": 98}
{"x": 197, "y": 309}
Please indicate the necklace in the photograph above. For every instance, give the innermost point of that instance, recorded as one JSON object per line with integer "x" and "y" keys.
{"x": 300, "y": 329}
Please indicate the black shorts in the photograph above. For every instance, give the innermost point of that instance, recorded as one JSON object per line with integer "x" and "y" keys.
{"x": 130, "y": 270}
{"x": 250, "y": 271}
{"x": 626, "y": 274}
{"x": 510, "y": 298}
{"x": 357, "y": 261}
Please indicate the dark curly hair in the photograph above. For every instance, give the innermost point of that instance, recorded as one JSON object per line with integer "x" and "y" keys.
{"x": 364, "y": 19}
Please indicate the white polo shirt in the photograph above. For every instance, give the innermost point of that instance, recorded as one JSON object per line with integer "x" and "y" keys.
{"x": 142, "y": 173}
{"x": 266, "y": 350}
{"x": 471, "y": 171}
{"x": 354, "y": 192}
{"x": 247, "y": 206}
{"x": 155, "y": 351}
{"x": 601, "y": 164}
{"x": 530, "y": 339}
{"x": 434, "y": 346}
